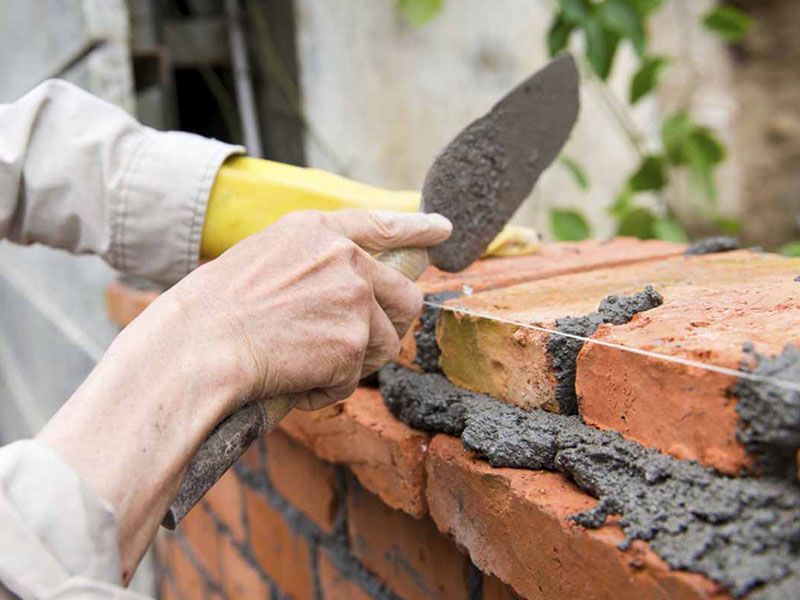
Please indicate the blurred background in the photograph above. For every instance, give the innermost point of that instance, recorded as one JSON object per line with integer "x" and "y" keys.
{"x": 690, "y": 121}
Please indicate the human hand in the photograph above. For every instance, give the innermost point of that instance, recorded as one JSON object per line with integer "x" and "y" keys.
{"x": 303, "y": 307}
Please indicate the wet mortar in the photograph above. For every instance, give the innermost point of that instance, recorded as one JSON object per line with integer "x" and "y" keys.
{"x": 427, "y": 348}
{"x": 483, "y": 175}
{"x": 563, "y": 351}
{"x": 712, "y": 245}
{"x": 770, "y": 413}
{"x": 741, "y": 532}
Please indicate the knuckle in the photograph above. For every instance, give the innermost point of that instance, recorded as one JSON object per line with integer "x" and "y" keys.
{"x": 384, "y": 229}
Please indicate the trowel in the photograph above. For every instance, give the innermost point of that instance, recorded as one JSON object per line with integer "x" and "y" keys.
{"x": 478, "y": 181}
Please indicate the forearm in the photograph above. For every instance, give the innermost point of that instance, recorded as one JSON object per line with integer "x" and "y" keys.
{"x": 131, "y": 428}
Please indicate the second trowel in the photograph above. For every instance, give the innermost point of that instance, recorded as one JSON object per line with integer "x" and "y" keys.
{"x": 478, "y": 182}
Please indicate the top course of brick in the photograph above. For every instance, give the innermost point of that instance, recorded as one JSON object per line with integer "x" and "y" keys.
{"x": 712, "y": 307}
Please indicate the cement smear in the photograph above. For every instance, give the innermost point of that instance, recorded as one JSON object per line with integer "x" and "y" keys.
{"x": 483, "y": 175}
{"x": 427, "y": 349}
{"x": 711, "y": 245}
{"x": 769, "y": 413}
{"x": 743, "y": 533}
{"x": 563, "y": 351}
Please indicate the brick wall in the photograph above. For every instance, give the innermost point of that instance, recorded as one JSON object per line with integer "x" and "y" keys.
{"x": 350, "y": 502}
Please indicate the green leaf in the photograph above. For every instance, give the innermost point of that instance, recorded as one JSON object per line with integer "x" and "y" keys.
{"x": 622, "y": 203}
{"x": 728, "y": 225}
{"x": 419, "y": 12}
{"x": 728, "y": 22}
{"x": 637, "y": 222}
{"x": 574, "y": 11}
{"x": 558, "y": 36}
{"x": 647, "y": 77}
{"x": 622, "y": 19}
{"x": 577, "y": 172}
{"x": 646, "y": 7}
{"x": 703, "y": 152}
{"x": 669, "y": 230}
{"x": 569, "y": 225}
{"x": 651, "y": 174}
{"x": 674, "y": 132}
{"x": 601, "y": 46}
{"x": 791, "y": 249}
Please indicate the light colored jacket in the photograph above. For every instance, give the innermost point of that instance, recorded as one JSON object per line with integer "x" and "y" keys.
{"x": 80, "y": 174}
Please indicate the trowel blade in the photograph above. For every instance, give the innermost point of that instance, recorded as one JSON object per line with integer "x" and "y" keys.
{"x": 480, "y": 179}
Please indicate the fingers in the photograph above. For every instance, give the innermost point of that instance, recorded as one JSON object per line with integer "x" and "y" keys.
{"x": 399, "y": 297}
{"x": 376, "y": 231}
{"x": 384, "y": 342}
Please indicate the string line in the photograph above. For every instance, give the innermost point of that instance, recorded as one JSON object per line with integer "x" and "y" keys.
{"x": 785, "y": 383}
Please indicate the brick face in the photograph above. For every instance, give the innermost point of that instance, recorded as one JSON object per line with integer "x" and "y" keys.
{"x": 334, "y": 585}
{"x": 514, "y": 523}
{"x": 225, "y": 502}
{"x": 240, "y": 580}
{"x": 281, "y": 553}
{"x": 385, "y": 455}
{"x": 303, "y": 479}
{"x": 407, "y": 554}
{"x": 201, "y": 534}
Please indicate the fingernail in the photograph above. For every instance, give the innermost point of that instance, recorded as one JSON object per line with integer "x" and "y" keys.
{"x": 439, "y": 221}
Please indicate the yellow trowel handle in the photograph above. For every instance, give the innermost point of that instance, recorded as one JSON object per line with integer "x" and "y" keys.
{"x": 233, "y": 436}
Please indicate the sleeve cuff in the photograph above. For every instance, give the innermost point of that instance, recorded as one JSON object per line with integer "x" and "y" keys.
{"x": 157, "y": 218}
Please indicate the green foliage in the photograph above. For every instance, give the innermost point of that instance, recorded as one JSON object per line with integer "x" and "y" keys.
{"x": 651, "y": 174}
{"x": 791, "y": 249}
{"x": 729, "y": 22}
{"x": 576, "y": 171}
{"x": 637, "y": 222}
{"x": 569, "y": 225}
{"x": 647, "y": 77}
{"x": 668, "y": 229}
{"x": 419, "y": 12}
{"x": 604, "y": 24}
{"x": 694, "y": 146}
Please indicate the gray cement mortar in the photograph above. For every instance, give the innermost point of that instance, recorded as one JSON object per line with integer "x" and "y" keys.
{"x": 427, "y": 348}
{"x": 770, "y": 413}
{"x": 712, "y": 245}
{"x": 741, "y": 532}
{"x": 563, "y": 351}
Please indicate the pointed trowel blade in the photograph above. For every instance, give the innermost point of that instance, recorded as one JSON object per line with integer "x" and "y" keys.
{"x": 482, "y": 176}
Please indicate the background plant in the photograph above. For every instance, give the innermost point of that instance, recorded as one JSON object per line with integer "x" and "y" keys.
{"x": 605, "y": 25}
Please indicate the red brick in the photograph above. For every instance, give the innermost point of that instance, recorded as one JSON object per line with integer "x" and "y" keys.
{"x": 550, "y": 261}
{"x": 385, "y": 455}
{"x": 305, "y": 481}
{"x": 712, "y": 305}
{"x": 494, "y": 589}
{"x": 224, "y": 500}
{"x": 281, "y": 553}
{"x": 692, "y": 415}
{"x": 240, "y": 580}
{"x": 201, "y": 534}
{"x": 336, "y": 586}
{"x": 252, "y": 457}
{"x": 515, "y": 525}
{"x": 186, "y": 579}
{"x": 410, "y": 556}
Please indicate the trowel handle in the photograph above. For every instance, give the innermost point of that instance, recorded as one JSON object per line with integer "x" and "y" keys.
{"x": 229, "y": 440}
{"x": 223, "y": 447}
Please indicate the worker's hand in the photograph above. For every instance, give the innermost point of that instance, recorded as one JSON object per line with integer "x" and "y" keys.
{"x": 304, "y": 307}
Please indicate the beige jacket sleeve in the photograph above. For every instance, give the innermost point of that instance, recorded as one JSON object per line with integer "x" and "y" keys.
{"x": 80, "y": 174}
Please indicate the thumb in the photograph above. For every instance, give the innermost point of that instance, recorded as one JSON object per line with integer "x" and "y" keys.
{"x": 376, "y": 231}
